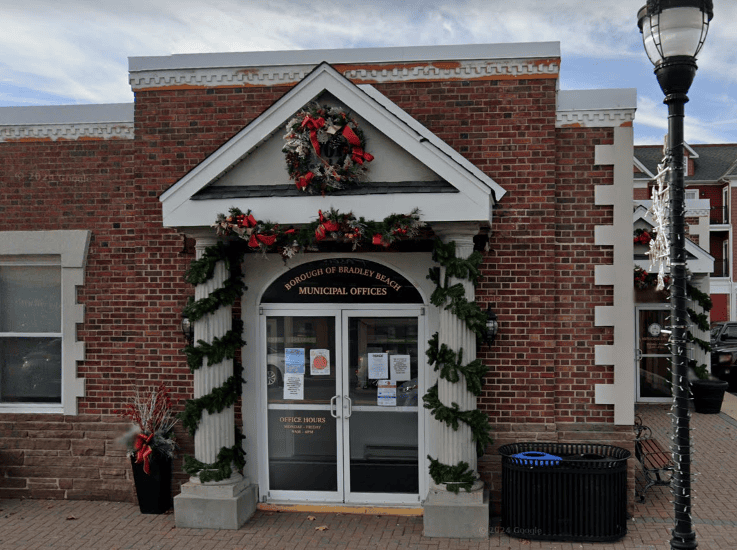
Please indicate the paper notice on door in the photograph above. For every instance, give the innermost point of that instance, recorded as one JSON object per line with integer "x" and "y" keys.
{"x": 378, "y": 366}
{"x": 320, "y": 362}
{"x": 294, "y": 386}
{"x": 399, "y": 365}
{"x": 387, "y": 393}
{"x": 294, "y": 360}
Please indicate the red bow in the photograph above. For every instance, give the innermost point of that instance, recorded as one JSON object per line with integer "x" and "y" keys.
{"x": 320, "y": 232}
{"x": 304, "y": 181}
{"x": 313, "y": 124}
{"x": 143, "y": 451}
{"x": 358, "y": 155}
{"x": 268, "y": 240}
{"x": 246, "y": 220}
{"x": 329, "y": 225}
{"x": 379, "y": 239}
{"x": 351, "y": 136}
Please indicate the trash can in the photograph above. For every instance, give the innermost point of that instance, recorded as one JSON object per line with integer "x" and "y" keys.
{"x": 561, "y": 491}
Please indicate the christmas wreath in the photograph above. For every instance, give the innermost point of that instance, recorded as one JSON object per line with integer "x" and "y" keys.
{"x": 325, "y": 149}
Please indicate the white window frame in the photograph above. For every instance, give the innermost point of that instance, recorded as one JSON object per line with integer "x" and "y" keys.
{"x": 71, "y": 247}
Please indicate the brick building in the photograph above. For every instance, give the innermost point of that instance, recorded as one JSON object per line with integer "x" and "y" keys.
{"x": 710, "y": 178}
{"x": 104, "y": 207}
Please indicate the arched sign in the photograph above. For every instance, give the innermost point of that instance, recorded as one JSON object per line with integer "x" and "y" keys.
{"x": 336, "y": 280}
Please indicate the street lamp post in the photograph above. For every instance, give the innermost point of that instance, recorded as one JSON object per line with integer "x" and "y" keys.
{"x": 673, "y": 32}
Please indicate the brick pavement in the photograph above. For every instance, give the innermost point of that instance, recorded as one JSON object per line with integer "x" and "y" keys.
{"x": 85, "y": 525}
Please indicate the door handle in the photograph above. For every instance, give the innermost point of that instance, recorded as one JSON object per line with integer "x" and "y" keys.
{"x": 333, "y": 411}
{"x": 350, "y": 406}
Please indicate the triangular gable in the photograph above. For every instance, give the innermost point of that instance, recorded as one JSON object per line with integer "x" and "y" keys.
{"x": 475, "y": 196}
{"x": 698, "y": 260}
{"x": 642, "y": 169}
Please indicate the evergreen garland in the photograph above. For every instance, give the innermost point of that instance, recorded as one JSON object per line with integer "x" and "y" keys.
{"x": 221, "y": 468}
{"x": 450, "y": 364}
{"x": 220, "y": 349}
{"x": 455, "y": 477}
{"x": 219, "y": 399}
{"x": 226, "y": 347}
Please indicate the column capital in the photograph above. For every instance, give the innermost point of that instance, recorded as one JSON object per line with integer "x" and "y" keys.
{"x": 203, "y": 242}
{"x": 462, "y": 233}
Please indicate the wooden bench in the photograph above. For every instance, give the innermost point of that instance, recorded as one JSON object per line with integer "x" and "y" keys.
{"x": 657, "y": 463}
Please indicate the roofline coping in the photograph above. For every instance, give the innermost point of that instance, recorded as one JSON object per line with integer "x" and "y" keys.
{"x": 66, "y": 114}
{"x": 517, "y": 50}
{"x": 597, "y": 100}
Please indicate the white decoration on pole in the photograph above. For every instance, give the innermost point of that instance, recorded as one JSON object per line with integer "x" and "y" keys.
{"x": 660, "y": 246}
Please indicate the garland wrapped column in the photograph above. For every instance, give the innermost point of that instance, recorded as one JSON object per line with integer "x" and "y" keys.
{"x": 456, "y": 445}
{"x": 217, "y": 429}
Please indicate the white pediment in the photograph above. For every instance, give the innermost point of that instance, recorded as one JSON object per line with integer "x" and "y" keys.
{"x": 406, "y": 153}
{"x": 698, "y": 260}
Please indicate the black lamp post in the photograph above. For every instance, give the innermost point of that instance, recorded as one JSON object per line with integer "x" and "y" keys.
{"x": 673, "y": 32}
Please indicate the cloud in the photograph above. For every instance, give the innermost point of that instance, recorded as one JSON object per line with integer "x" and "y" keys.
{"x": 76, "y": 51}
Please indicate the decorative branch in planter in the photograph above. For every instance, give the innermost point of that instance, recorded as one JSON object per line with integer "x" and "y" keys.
{"x": 151, "y": 447}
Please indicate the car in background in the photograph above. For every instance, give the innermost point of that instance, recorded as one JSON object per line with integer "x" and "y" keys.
{"x": 724, "y": 352}
{"x": 275, "y": 366}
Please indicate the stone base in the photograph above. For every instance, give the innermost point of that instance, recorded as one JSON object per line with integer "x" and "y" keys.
{"x": 215, "y": 506}
{"x": 462, "y": 515}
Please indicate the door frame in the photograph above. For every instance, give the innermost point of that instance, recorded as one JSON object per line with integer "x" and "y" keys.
{"x": 342, "y": 312}
{"x": 638, "y": 356}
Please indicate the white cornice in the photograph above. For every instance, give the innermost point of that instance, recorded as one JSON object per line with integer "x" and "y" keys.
{"x": 211, "y": 77}
{"x": 596, "y": 108}
{"x": 67, "y": 122}
{"x": 54, "y": 132}
{"x": 594, "y": 119}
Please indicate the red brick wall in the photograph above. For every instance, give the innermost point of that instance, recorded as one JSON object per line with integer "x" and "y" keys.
{"x": 538, "y": 275}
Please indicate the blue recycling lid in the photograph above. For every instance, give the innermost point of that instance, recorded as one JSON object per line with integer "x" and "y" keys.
{"x": 537, "y": 458}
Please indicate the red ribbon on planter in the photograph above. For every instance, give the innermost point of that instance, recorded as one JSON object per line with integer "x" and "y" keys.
{"x": 313, "y": 124}
{"x": 143, "y": 450}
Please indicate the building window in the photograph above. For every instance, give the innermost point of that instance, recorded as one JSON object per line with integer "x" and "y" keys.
{"x": 39, "y": 275}
{"x": 30, "y": 330}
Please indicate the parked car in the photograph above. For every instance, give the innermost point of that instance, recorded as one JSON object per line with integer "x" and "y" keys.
{"x": 274, "y": 368}
{"x": 724, "y": 352}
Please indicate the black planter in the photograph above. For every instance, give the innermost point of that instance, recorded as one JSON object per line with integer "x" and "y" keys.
{"x": 154, "y": 489}
{"x": 708, "y": 395}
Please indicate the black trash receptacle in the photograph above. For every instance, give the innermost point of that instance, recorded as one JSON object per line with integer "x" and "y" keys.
{"x": 560, "y": 491}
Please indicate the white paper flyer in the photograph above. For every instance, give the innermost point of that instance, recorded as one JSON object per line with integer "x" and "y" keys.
{"x": 400, "y": 367}
{"x": 378, "y": 366}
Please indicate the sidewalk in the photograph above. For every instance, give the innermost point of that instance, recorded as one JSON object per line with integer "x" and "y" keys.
{"x": 29, "y": 524}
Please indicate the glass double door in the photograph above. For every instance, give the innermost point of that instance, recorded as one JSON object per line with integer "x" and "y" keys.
{"x": 342, "y": 390}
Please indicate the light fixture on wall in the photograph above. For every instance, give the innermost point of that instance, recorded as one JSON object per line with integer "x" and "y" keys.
{"x": 492, "y": 326}
{"x": 188, "y": 329}
{"x": 673, "y": 32}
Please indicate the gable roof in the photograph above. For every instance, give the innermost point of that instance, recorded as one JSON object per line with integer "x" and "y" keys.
{"x": 698, "y": 260}
{"x": 711, "y": 162}
{"x": 475, "y": 192}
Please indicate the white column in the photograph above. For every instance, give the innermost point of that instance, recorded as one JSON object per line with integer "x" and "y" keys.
{"x": 457, "y": 445}
{"x": 216, "y": 430}
{"x": 225, "y": 504}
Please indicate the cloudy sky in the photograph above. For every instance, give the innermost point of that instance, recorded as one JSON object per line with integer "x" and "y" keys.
{"x": 76, "y": 51}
